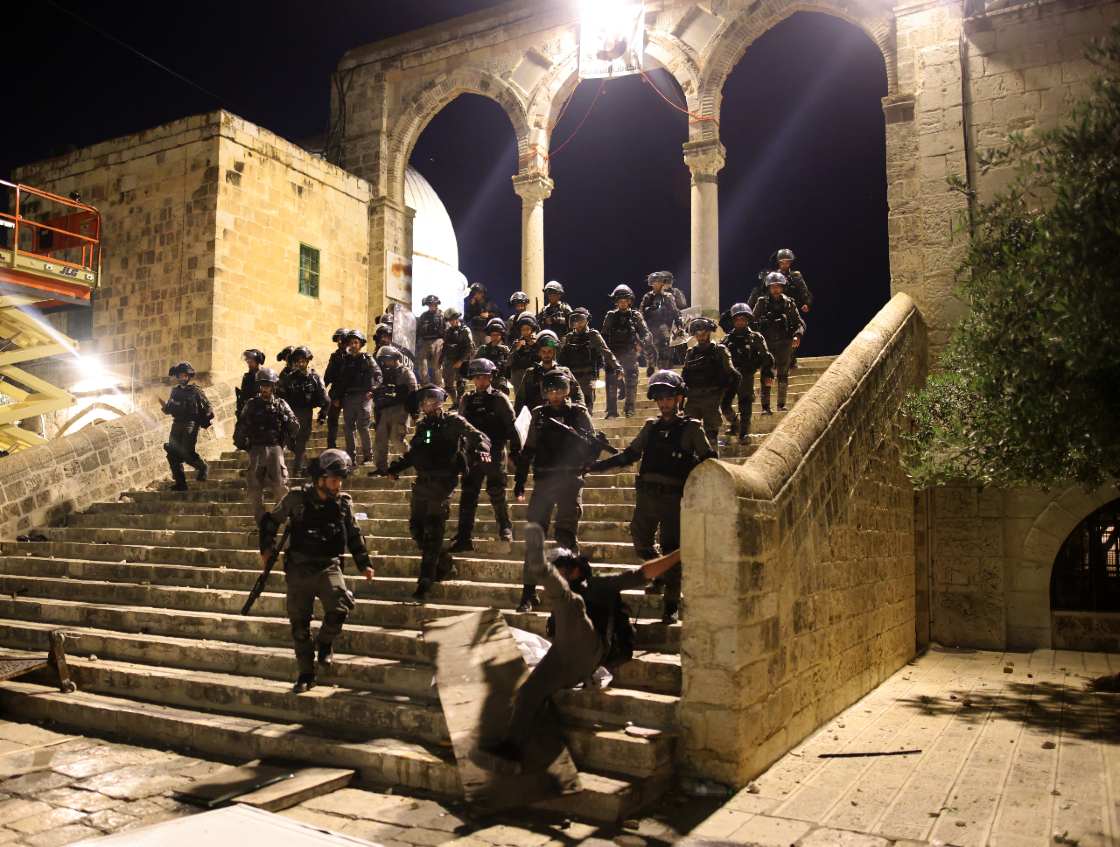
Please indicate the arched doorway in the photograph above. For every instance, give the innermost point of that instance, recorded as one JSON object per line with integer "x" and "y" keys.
{"x": 803, "y": 125}
{"x": 1085, "y": 584}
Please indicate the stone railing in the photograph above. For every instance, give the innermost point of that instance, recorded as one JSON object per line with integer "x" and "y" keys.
{"x": 799, "y": 565}
{"x": 41, "y": 485}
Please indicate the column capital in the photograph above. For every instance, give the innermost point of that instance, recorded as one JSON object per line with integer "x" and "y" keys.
{"x": 533, "y": 187}
{"x": 705, "y": 158}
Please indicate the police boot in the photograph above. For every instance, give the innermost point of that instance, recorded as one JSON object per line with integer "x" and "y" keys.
{"x": 445, "y": 567}
{"x": 180, "y": 479}
{"x": 732, "y": 424}
{"x": 505, "y": 525}
{"x": 461, "y": 545}
{"x": 672, "y": 613}
{"x": 764, "y": 399}
{"x": 202, "y": 472}
{"x": 423, "y": 586}
{"x": 783, "y": 389}
{"x": 304, "y": 683}
{"x": 325, "y": 655}
{"x": 529, "y": 599}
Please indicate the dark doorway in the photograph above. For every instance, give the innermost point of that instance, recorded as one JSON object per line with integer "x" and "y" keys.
{"x": 1086, "y": 574}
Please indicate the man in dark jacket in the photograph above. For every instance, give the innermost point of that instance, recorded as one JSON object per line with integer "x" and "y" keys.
{"x": 189, "y": 410}
{"x": 303, "y": 390}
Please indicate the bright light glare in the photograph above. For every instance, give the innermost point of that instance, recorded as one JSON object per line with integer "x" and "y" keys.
{"x": 95, "y": 376}
{"x": 611, "y": 38}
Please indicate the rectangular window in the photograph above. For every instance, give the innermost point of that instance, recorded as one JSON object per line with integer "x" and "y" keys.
{"x": 308, "y": 271}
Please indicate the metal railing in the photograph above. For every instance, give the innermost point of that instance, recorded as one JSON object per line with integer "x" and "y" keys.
{"x": 71, "y": 239}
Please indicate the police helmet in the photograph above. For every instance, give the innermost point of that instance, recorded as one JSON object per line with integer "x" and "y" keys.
{"x": 495, "y": 325}
{"x": 621, "y": 291}
{"x": 181, "y": 368}
{"x": 284, "y": 354}
{"x": 481, "y": 367}
{"x": 382, "y": 331}
{"x": 665, "y": 382}
{"x": 518, "y": 297}
{"x": 330, "y": 462}
{"x": 555, "y": 379}
{"x": 776, "y": 278}
{"x": 267, "y": 375}
{"x": 528, "y": 320}
{"x": 740, "y": 309}
{"x": 429, "y": 300}
{"x": 786, "y": 253}
{"x": 700, "y": 324}
{"x": 254, "y": 354}
{"x": 428, "y": 392}
{"x": 554, "y": 288}
{"x": 389, "y": 352}
{"x": 562, "y": 558}
{"x": 547, "y": 338}
{"x": 339, "y": 334}
{"x": 660, "y": 276}
{"x": 452, "y": 314}
{"x": 358, "y": 334}
{"x": 579, "y": 314}
{"x": 476, "y": 286}
{"x": 301, "y": 352}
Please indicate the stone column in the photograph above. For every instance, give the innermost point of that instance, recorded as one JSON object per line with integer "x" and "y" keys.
{"x": 705, "y": 159}
{"x": 533, "y": 188}
{"x": 390, "y": 255}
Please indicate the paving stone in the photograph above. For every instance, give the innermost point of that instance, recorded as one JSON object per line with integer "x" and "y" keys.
{"x": 425, "y": 837}
{"x": 18, "y": 809}
{"x": 42, "y": 821}
{"x": 76, "y": 798}
{"x": 827, "y": 837}
{"x": 110, "y": 820}
{"x": 372, "y": 830}
{"x": 65, "y": 835}
{"x": 134, "y": 782}
{"x": 35, "y": 783}
{"x": 316, "y": 819}
{"x": 29, "y": 734}
{"x": 769, "y": 832}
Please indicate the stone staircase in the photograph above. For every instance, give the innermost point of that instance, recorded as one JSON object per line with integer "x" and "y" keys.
{"x": 149, "y": 589}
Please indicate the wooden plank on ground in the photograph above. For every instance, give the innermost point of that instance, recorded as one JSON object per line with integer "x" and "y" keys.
{"x": 478, "y": 668}
{"x": 306, "y": 784}
{"x": 221, "y": 787}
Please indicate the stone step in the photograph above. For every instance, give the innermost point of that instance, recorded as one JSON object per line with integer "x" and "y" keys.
{"x": 380, "y": 763}
{"x": 386, "y": 658}
{"x": 392, "y": 615}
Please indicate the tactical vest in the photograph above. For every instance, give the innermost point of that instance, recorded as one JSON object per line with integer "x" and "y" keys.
{"x": 702, "y": 368}
{"x": 522, "y": 358}
{"x": 357, "y": 373}
{"x": 557, "y": 448}
{"x": 577, "y": 354}
{"x": 319, "y": 530}
{"x": 659, "y": 310}
{"x": 389, "y": 393}
{"x": 772, "y": 317}
{"x": 498, "y": 354}
{"x": 480, "y": 410}
{"x": 664, "y": 455}
{"x": 741, "y": 349}
{"x": 185, "y": 403}
{"x": 456, "y": 344}
{"x": 553, "y": 316}
{"x": 435, "y": 446}
{"x": 264, "y": 422}
{"x": 430, "y": 326}
{"x": 301, "y": 390}
{"x": 622, "y": 331}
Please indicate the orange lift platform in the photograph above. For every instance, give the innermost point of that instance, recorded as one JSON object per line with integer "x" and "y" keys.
{"x": 50, "y": 260}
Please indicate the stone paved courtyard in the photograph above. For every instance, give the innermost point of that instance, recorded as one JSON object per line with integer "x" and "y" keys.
{"x": 1015, "y": 750}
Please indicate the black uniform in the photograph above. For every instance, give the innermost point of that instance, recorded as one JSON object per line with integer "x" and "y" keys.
{"x": 331, "y": 377}
{"x": 499, "y": 354}
{"x": 659, "y": 308}
{"x": 458, "y": 350}
{"x": 583, "y": 353}
{"x": 360, "y": 376}
{"x": 436, "y": 451}
{"x": 189, "y": 410}
{"x": 430, "y": 327}
{"x": 522, "y": 356}
{"x": 477, "y": 313}
{"x": 390, "y": 413}
{"x": 669, "y": 450}
{"x": 778, "y": 320}
{"x": 627, "y": 336}
{"x": 530, "y": 394}
{"x": 322, "y": 531}
{"x": 263, "y": 429}
{"x": 749, "y": 354}
{"x": 555, "y": 316}
{"x": 491, "y": 412}
{"x": 513, "y": 332}
{"x": 304, "y": 392}
{"x": 708, "y": 373}
{"x": 247, "y": 391}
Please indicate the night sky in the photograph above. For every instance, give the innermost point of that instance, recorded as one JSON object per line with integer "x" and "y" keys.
{"x": 801, "y": 121}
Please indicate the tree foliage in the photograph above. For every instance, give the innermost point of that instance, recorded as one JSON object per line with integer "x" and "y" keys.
{"x": 1028, "y": 390}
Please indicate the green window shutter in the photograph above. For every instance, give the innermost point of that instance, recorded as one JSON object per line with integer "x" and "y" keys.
{"x": 308, "y": 271}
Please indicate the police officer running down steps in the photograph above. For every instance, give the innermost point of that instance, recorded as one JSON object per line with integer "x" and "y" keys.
{"x": 265, "y": 425}
{"x": 587, "y": 612}
{"x": 189, "y": 410}
{"x": 322, "y": 530}
{"x": 670, "y": 446}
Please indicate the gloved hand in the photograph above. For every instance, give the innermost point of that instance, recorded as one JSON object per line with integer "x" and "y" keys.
{"x": 649, "y": 370}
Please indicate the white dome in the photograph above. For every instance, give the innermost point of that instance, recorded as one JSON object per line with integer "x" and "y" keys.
{"x": 435, "y": 250}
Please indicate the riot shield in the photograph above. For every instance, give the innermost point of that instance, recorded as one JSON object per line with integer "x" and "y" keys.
{"x": 680, "y": 333}
{"x": 404, "y": 330}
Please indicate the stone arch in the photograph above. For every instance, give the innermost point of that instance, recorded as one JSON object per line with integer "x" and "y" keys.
{"x": 1028, "y": 609}
{"x": 418, "y": 111}
{"x": 731, "y": 43}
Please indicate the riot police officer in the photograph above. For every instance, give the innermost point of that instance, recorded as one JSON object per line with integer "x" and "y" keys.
{"x": 253, "y": 359}
{"x": 322, "y": 530}
{"x": 303, "y": 390}
{"x": 555, "y": 313}
{"x": 479, "y": 312}
{"x": 490, "y": 411}
{"x": 749, "y": 354}
{"x": 498, "y": 353}
{"x": 519, "y": 302}
{"x": 189, "y": 410}
{"x": 436, "y": 450}
{"x": 659, "y": 309}
{"x": 627, "y": 336}
{"x": 670, "y": 446}
{"x": 390, "y": 399}
{"x": 430, "y": 327}
{"x": 557, "y": 455}
{"x": 283, "y": 356}
{"x": 332, "y": 377}
{"x": 360, "y": 376}
{"x": 708, "y": 373}
{"x": 458, "y": 349}
{"x": 776, "y": 317}
{"x": 531, "y": 392}
{"x": 266, "y": 423}
{"x": 583, "y": 351}
{"x": 797, "y": 289}
{"x": 523, "y": 352}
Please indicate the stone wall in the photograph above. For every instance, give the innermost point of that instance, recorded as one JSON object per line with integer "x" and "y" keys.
{"x": 991, "y": 553}
{"x": 799, "y": 565}
{"x": 157, "y": 193}
{"x": 42, "y": 485}
{"x": 273, "y": 196}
